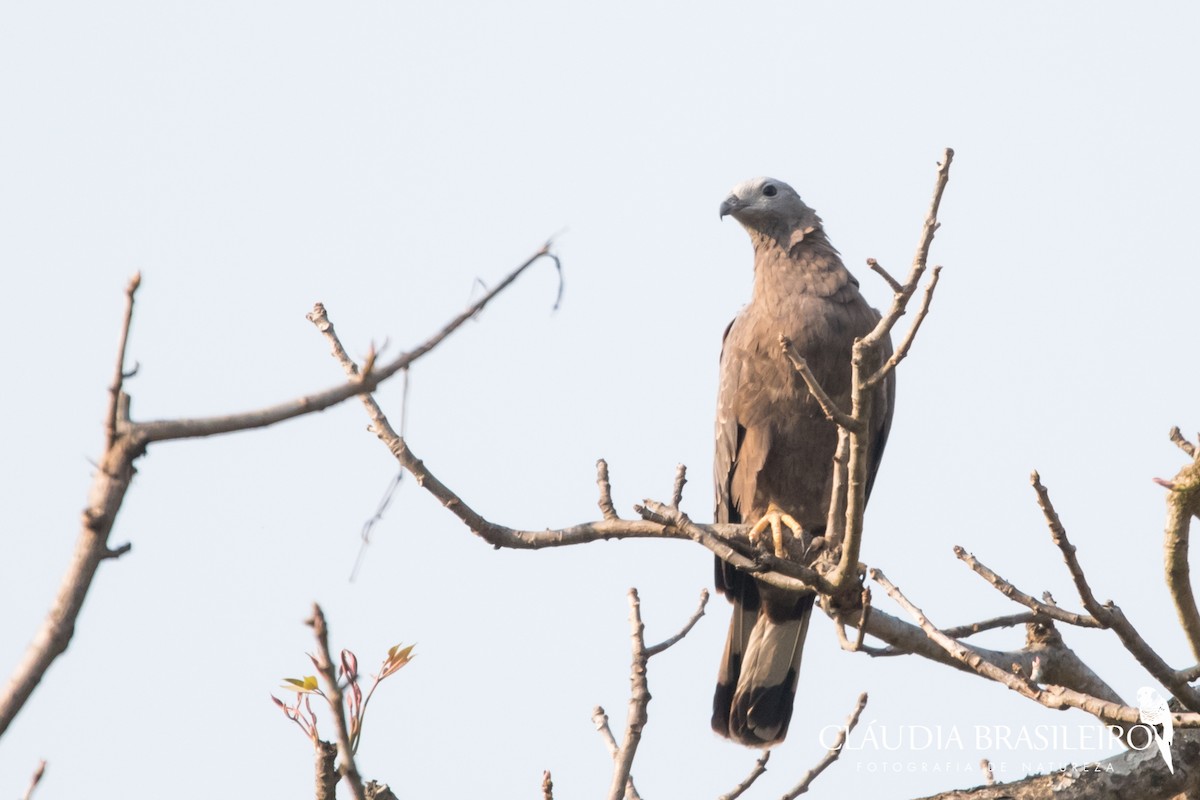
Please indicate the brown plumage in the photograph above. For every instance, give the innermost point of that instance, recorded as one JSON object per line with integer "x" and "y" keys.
{"x": 774, "y": 445}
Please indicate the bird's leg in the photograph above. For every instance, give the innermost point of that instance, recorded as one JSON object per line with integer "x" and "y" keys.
{"x": 775, "y": 519}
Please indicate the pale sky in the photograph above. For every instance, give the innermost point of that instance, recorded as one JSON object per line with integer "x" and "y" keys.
{"x": 252, "y": 158}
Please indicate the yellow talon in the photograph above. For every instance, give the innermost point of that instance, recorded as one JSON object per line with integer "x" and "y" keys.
{"x": 776, "y": 518}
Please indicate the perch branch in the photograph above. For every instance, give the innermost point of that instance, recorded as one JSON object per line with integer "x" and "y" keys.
{"x": 35, "y": 779}
{"x": 1052, "y": 696}
{"x": 677, "y": 486}
{"x": 116, "y": 406}
{"x": 1182, "y": 443}
{"x": 639, "y": 699}
{"x": 1015, "y": 594}
{"x": 606, "y": 502}
{"x": 684, "y": 631}
{"x": 878, "y": 269}
{"x": 832, "y": 412}
{"x": 866, "y": 373}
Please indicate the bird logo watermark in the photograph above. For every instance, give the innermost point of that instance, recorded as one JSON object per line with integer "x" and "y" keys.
{"x": 1153, "y": 711}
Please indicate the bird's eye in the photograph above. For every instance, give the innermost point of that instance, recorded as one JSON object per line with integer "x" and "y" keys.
{"x": 769, "y": 190}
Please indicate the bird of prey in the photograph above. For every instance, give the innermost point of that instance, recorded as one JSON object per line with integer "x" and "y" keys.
{"x": 774, "y": 446}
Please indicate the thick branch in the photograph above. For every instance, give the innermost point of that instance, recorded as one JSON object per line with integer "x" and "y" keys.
{"x": 164, "y": 430}
{"x": 868, "y": 369}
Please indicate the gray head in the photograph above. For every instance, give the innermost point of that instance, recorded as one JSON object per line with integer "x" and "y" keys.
{"x": 770, "y": 207}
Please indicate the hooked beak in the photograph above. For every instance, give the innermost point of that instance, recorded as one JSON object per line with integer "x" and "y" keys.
{"x": 732, "y": 203}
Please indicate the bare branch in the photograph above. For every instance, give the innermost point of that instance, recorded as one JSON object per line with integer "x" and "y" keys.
{"x": 1056, "y": 697}
{"x": 687, "y": 628}
{"x": 866, "y": 368}
{"x": 902, "y": 351}
{"x": 600, "y": 720}
{"x": 895, "y": 285}
{"x": 760, "y": 766}
{"x": 116, "y": 388}
{"x": 832, "y": 412}
{"x": 1109, "y": 614}
{"x": 35, "y": 779}
{"x": 1011, "y": 592}
{"x": 831, "y": 756}
{"x": 333, "y": 692}
{"x": 165, "y": 430}
{"x": 606, "y": 501}
{"x": 959, "y": 631}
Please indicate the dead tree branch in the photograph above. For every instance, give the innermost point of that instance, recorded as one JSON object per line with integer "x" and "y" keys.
{"x": 832, "y": 754}
{"x": 126, "y": 441}
{"x": 639, "y": 696}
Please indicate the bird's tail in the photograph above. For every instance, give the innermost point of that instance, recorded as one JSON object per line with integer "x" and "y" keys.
{"x": 756, "y": 686}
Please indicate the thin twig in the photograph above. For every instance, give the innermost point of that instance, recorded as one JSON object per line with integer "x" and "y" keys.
{"x": 35, "y": 779}
{"x": 606, "y": 502}
{"x": 1111, "y": 615}
{"x": 116, "y": 388}
{"x": 876, "y": 267}
{"x": 333, "y": 692}
{"x": 600, "y": 720}
{"x": 833, "y": 753}
{"x": 684, "y": 631}
{"x": 832, "y": 412}
{"x": 865, "y": 368}
{"x": 389, "y": 494}
{"x": 1015, "y": 594}
{"x": 760, "y": 766}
